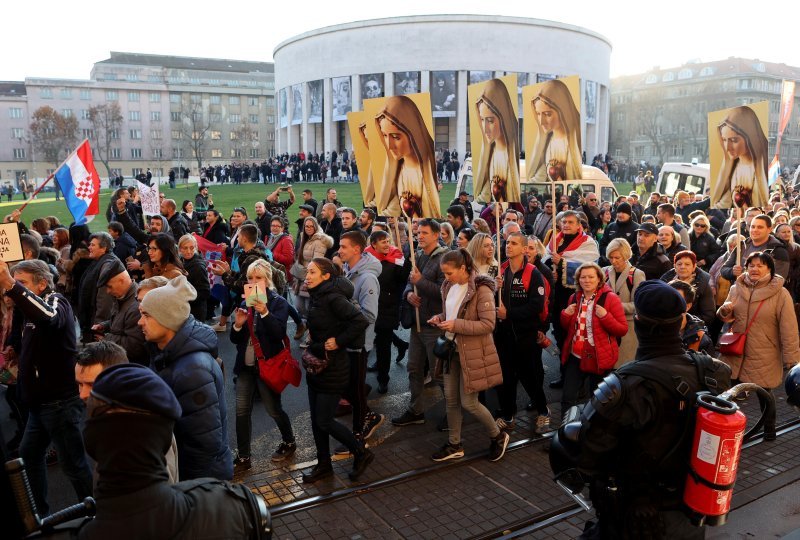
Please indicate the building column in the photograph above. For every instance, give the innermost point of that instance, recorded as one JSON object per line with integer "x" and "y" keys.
{"x": 304, "y": 147}
{"x": 424, "y": 81}
{"x": 388, "y": 83}
{"x": 462, "y": 81}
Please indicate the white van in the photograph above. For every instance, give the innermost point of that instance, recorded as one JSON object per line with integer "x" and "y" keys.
{"x": 594, "y": 181}
{"x": 688, "y": 177}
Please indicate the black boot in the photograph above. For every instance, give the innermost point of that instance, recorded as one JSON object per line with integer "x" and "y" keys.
{"x": 318, "y": 472}
{"x": 360, "y": 463}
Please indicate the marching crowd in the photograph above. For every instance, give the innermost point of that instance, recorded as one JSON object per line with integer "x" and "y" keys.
{"x": 480, "y": 303}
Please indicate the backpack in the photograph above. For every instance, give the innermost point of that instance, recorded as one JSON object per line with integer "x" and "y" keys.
{"x": 527, "y": 274}
{"x": 713, "y": 376}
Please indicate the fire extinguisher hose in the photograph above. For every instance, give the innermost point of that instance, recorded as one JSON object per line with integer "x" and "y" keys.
{"x": 767, "y": 411}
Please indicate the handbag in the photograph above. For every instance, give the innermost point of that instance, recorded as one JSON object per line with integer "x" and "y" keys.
{"x": 732, "y": 343}
{"x": 408, "y": 314}
{"x": 280, "y": 370}
{"x": 444, "y": 347}
{"x": 313, "y": 364}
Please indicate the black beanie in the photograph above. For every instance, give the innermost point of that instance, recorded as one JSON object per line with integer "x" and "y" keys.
{"x": 656, "y": 300}
{"x": 624, "y": 208}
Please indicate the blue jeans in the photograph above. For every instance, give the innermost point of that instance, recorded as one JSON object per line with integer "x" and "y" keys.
{"x": 324, "y": 426}
{"x": 247, "y": 382}
{"x": 59, "y": 422}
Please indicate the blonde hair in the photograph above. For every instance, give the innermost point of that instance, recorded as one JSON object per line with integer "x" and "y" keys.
{"x": 475, "y": 248}
{"x": 621, "y": 245}
{"x": 262, "y": 268}
{"x": 188, "y": 238}
{"x": 538, "y": 246}
{"x": 702, "y": 218}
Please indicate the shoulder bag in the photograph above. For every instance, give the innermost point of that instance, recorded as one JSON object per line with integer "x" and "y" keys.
{"x": 732, "y": 343}
{"x": 312, "y": 364}
{"x": 280, "y": 370}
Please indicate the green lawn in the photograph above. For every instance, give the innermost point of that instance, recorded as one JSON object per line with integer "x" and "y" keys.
{"x": 226, "y": 198}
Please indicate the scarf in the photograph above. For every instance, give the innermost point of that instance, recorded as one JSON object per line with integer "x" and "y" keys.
{"x": 583, "y": 333}
{"x": 395, "y": 256}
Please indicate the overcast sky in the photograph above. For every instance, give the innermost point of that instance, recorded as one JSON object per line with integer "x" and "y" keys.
{"x": 63, "y": 39}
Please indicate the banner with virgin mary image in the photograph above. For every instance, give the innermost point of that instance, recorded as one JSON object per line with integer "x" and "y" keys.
{"x": 494, "y": 139}
{"x": 402, "y": 156}
{"x": 738, "y": 154}
{"x": 357, "y": 124}
{"x": 552, "y": 130}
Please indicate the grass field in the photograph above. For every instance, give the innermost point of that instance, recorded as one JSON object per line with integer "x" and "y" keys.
{"x": 226, "y": 197}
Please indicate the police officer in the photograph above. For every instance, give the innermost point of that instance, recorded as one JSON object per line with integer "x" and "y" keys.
{"x": 131, "y": 414}
{"x": 633, "y": 439}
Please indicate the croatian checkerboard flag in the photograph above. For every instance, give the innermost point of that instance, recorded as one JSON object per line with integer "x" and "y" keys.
{"x": 80, "y": 183}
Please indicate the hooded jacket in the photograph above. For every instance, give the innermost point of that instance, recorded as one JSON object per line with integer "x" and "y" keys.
{"x": 333, "y": 315}
{"x": 772, "y": 341}
{"x": 366, "y": 291}
{"x": 474, "y": 324}
{"x": 188, "y": 365}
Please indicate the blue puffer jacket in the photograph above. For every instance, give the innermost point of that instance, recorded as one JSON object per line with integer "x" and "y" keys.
{"x": 188, "y": 365}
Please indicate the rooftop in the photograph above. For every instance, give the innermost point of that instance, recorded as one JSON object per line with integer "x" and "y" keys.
{"x": 731, "y": 66}
{"x": 12, "y": 88}
{"x": 188, "y": 62}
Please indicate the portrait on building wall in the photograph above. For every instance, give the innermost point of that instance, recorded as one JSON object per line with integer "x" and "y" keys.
{"x": 406, "y": 82}
{"x": 552, "y": 123}
{"x": 522, "y": 81}
{"x": 315, "y": 102}
{"x": 479, "y": 76}
{"x": 542, "y": 77}
{"x": 342, "y": 97}
{"x": 283, "y": 112}
{"x": 443, "y": 93}
{"x": 590, "y": 103}
{"x": 371, "y": 87}
{"x": 297, "y": 104}
{"x": 494, "y": 127}
{"x": 402, "y": 155}
{"x": 738, "y": 156}
{"x": 357, "y": 125}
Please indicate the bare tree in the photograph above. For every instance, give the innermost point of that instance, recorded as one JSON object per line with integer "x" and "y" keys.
{"x": 195, "y": 125}
{"x": 53, "y": 135}
{"x": 106, "y": 122}
{"x": 649, "y": 115}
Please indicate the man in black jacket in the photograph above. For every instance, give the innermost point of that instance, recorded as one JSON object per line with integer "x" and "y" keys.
{"x": 648, "y": 254}
{"x": 624, "y": 227}
{"x": 46, "y": 379}
{"x": 523, "y": 297}
{"x": 331, "y": 225}
{"x": 177, "y": 224}
{"x": 760, "y": 239}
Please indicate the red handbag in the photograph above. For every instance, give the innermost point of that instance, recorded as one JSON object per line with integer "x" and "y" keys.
{"x": 280, "y": 370}
{"x": 732, "y": 343}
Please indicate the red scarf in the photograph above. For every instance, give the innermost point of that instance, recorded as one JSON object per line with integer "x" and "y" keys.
{"x": 395, "y": 256}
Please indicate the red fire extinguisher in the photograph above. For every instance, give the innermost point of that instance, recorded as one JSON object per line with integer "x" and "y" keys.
{"x": 718, "y": 433}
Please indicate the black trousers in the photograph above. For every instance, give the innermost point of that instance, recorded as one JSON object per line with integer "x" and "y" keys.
{"x": 356, "y": 391}
{"x": 520, "y": 361}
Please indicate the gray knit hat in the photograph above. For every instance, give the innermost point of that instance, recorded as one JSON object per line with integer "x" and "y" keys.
{"x": 169, "y": 305}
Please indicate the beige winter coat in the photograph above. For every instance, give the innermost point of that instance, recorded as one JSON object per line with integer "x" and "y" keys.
{"x": 480, "y": 364}
{"x": 772, "y": 341}
{"x": 316, "y": 246}
{"x": 629, "y": 343}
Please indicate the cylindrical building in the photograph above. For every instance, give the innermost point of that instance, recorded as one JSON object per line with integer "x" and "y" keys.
{"x": 323, "y": 74}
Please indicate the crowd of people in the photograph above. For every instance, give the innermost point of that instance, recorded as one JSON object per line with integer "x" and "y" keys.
{"x": 481, "y": 303}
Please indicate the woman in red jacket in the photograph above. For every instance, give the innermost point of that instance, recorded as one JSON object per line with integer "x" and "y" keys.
{"x": 280, "y": 243}
{"x": 594, "y": 320}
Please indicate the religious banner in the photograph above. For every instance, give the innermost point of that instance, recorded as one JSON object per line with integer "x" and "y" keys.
{"x": 494, "y": 139}
{"x": 443, "y": 93}
{"x": 552, "y": 130}
{"x": 342, "y": 97}
{"x": 151, "y": 204}
{"x": 283, "y": 109}
{"x": 315, "y": 102}
{"x": 297, "y": 104}
{"x": 402, "y": 156}
{"x": 357, "y": 124}
{"x": 738, "y": 156}
{"x": 787, "y": 101}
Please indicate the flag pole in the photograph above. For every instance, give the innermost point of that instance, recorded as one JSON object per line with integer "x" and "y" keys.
{"x": 35, "y": 193}
{"x": 52, "y": 175}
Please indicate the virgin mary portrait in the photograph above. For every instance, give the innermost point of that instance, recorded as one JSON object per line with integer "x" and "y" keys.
{"x": 497, "y": 177}
{"x": 742, "y": 180}
{"x": 409, "y": 175}
{"x": 557, "y": 151}
{"x": 368, "y": 184}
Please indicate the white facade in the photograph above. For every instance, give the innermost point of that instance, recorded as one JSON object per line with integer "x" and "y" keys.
{"x": 424, "y": 44}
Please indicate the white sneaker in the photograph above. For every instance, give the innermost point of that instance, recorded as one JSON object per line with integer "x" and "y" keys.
{"x": 220, "y": 327}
